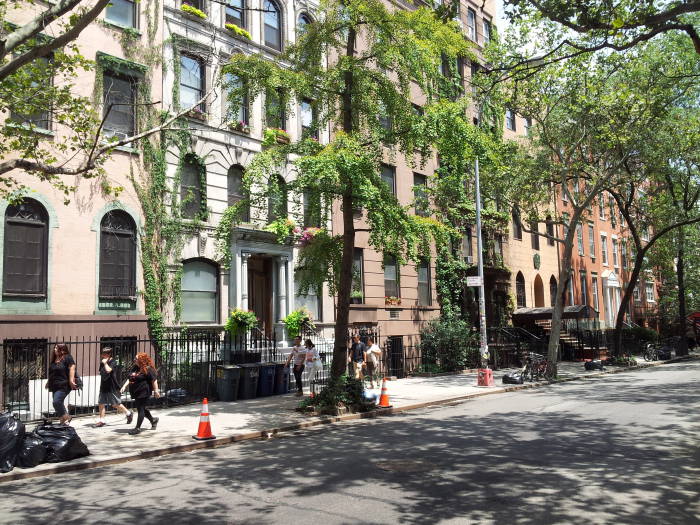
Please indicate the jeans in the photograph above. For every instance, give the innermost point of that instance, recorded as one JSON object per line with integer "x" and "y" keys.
{"x": 140, "y": 405}
{"x": 298, "y": 370}
{"x": 59, "y": 405}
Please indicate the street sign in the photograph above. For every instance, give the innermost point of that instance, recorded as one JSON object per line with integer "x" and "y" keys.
{"x": 474, "y": 281}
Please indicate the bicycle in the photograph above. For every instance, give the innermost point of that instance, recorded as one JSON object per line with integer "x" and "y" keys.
{"x": 537, "y": 367}
{"x": 651, "y": 352}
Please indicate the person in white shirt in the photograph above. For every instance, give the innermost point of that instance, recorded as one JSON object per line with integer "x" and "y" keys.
{"x": 298, "y": 353}
{"x": 372, "y": 356}
{"x": 313, "y": 359}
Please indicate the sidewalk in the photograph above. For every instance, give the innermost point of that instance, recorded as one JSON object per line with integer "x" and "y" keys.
{"x": 255, "y": 418}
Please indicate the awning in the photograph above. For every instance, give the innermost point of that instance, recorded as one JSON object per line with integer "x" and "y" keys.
{"x": 577, "y": 311}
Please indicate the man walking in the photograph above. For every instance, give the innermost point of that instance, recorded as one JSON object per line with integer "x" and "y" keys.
{"x": 357, "y": 356}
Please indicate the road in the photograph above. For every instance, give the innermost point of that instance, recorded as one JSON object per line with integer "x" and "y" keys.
{"x": 619, "y": 449}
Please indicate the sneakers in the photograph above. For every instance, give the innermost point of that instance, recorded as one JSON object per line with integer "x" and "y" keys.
{"x": 100, "y": 424}
{"x": 129, "y": 418}
{"x": 135, "y": 431}
{"x": 154, "y": 423}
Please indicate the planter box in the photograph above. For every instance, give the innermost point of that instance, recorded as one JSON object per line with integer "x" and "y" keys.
{"x": 234, "y": 126}
{"x": 198, "y": 115}
{"x": 392, "y": 302}
{"x": 282, "y": 139}
{"x": 356, "y": 300}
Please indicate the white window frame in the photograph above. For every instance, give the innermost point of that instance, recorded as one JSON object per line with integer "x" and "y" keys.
{"x": 649, "y": 292}
{"x": 604, "y": 248}
{"x": 594, "y": 291}
{"x": 591, "y": 240}
{"x": 579, "y": 238}
{"x": 615, "y": 252}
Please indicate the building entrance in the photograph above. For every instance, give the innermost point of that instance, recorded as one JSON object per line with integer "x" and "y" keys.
{"x": 260, "y": 291}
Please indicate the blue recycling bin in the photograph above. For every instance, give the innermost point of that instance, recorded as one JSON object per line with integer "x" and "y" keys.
{"x": 266, "y": 379}
{"x": 281, "y": 379}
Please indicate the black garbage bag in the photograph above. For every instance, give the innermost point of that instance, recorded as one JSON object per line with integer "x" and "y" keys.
{"x": 596, "y": 364}
{"x": 32, "y": 452}
{"x": 11, "y": 435}
{"x": 62, "y": 443}
{"x": 513, "y": 378}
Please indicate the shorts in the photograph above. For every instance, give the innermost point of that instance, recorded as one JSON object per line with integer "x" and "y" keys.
{"x": 371, "y": 367}
{"x": 109, "y": 398}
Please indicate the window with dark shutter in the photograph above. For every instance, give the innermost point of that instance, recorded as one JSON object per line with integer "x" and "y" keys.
{"x": 391, "y": 277}
{"x": 117, "y": 256}
{"x": 25, "y": 250}
{"x": 236, "y": 191}
{"x": 190, "y": 188}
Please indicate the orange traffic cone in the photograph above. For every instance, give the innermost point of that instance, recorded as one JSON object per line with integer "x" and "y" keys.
{"x": 204, "y": 431}
{"x": 384, "y": 398}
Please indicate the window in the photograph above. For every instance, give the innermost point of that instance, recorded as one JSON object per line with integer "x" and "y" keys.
{"x": 40, "y": 119}
{"x": 579, "y": 238}
{"x": 635, "y": 294}
{"x": 591, "y": 241}
{"x": 570, "y": 288}
{"x": 358, "y": 271}
{"x": 302, "y": 22}
{"x": 649, "y": 289}
{"x": 601, "y": 207}
{"x": 487, "y": 31}
{"x": 235, "y": 112}
{"x": 615, "y": 253}
{"x": 194, "y": 3}
{"x": 391, "y": 277}
{"x": 552, "y": 290}
{"x": 25, "y": 250}
{"x": 422, "y": 204}
{"x": 235, "y": 12}
{"x": 388, "y": 175}
{"x": 584, "y": 288}
{"x": 517, "y": 226}
{"x": 312, "y": 210}
{"x": 191, "y": 82}
{"x": 117, "y": 256}
{"x": 471, "y": 24}
{"x": 565, "y": 226}
{"x": 535, "y": 235}
{"x": 236, "y": 191}
{"x": 191, "y": 187}
{"x": 474, "y": 72}
{"x": 273, "y": 25}
{"x": 645, "y": 233}
{"x": 310, "y": 301}
{"x": 550, "y": 231}
{"x": 467, "y": 248}
{"x": 277, "y": 200}
{"x": 121, "y": 12}
{"x": 199, "y": 292}
{"x": 520, "y": 290}
{"x": 604, "y": 249}
{"x": 308, "y": 119}
{"x": 384, "y": 119}
{"x": 528, "y": 125}
{"x": 510, "y": 119}
{"x": 623, "y": 251}
{"x": 274, "y": 110}
{"x": 119, "y": 105}
{"x": 594, "y": 289}
{"x": 424, "y": 296}
{"x": 565, "y": 193}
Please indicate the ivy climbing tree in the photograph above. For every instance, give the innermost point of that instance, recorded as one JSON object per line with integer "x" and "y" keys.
{"x": 360, "y": 63}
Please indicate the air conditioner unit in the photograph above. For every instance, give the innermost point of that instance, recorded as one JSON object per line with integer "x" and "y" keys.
{"x": 469, "y": 259}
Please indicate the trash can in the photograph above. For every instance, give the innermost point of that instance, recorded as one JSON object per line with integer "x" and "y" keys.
{"x": 281, "y": 379}
{"x": 266, "y": 379}
{"x": 227, "y": 379}
{"x": 248, "y": 386}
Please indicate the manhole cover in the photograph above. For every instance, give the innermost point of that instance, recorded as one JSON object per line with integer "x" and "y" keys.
{"x": 405, "y": 465}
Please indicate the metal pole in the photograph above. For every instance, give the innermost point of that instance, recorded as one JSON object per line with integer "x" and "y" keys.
{"x": 484, "y": 346}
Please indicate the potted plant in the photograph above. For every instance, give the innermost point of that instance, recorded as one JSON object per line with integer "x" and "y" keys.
{"x": 299, "y": 321}
{"x": 233, "y": 28}
{"x": 193, "y": 11}
{"x": 284, "y": 229}
{"x": 240, "y": 126}
{"x": 392, "y": 301}
{"x": 308, "y": 235}
{"x": 356, "y": 297}
{"x": 197, "y": 113}
{"x": 275, "y": 136}
{"x": 240, "y": 322}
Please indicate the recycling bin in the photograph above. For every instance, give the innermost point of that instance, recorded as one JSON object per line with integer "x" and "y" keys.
{"x": 266, "y": 379}
{"x": 248, "y": 386}
{"x": 227, "y": 380}
{"x": 281, "y": 379}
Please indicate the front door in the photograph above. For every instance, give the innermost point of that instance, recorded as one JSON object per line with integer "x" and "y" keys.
{"x": 260, "y": 291}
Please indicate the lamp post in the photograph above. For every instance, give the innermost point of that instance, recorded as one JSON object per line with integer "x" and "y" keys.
{"x": 483, "y": 343}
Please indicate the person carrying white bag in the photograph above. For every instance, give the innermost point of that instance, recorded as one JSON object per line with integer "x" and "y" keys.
{"x": 313, "y": 359}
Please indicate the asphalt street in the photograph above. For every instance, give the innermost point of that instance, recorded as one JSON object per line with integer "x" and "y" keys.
{"x": 618, "y": 449}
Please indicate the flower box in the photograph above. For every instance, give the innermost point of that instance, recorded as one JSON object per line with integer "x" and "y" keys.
{"x": 282, "y": 139}
{"x": 392, "y": 301}
{"x": 197, "y": 113}
{"x": 239, "y": 126}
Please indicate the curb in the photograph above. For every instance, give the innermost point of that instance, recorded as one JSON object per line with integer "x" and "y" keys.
{"x": 324, "y": 420}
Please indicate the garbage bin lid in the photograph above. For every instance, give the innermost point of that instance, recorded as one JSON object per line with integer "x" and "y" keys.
{"x": 229, "y": 367}
{"x": 249, "y": 365}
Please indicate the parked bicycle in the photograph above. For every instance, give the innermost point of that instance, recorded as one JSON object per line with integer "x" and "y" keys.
{"x": 537, "y": 367}
{"x": 662, "y": 350}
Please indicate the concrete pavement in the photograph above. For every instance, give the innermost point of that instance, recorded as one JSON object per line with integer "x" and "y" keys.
{"x": 251, "y": 419}
{"x": 619, "y": 450}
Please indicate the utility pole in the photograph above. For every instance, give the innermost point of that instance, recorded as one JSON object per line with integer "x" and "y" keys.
{"x": 484, "y": 345}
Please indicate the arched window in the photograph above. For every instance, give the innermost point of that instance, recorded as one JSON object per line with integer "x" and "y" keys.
{"x": 25, "y": 250}
{"x": 191, "y": 188}
{"x": 236, "y": 192}
{"x": 117, "y": 256}
{"x": 520, "y": 290}
{"x": 553, "y": 290}
{"x": 277, "y": 201}
{"x": 303, "y": 21}
{"x": 273, "y": 25}
{"x": 200, "y": 290}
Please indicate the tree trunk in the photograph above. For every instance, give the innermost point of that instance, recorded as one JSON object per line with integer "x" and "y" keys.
{"x": 682, "y": 312}
{"x": 564, "y": 275}
{"x": 340, "y": 349}
{"x": 619, "y": 320}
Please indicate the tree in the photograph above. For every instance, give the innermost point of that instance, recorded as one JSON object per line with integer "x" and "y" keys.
{"x": 377, "y": 57}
